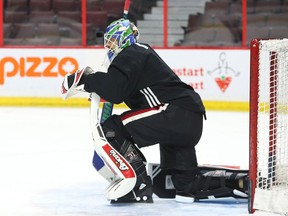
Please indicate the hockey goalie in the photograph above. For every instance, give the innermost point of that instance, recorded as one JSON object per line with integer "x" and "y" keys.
{"x": 162, "y": 110}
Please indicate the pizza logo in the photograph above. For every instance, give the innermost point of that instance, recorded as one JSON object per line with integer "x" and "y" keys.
{"x": 223, "y": 74}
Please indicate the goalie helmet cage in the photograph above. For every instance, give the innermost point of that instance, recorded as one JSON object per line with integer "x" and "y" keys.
{"x": 268, "y": 129}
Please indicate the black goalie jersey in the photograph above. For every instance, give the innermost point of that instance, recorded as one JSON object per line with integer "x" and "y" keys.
{"x": 140, "y": 78}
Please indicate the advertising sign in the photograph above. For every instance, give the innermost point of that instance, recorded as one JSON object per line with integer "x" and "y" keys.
{"x": 218, "y": 75}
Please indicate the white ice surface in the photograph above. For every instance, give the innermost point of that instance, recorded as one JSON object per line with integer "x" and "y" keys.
{"x": 46, "y": 165}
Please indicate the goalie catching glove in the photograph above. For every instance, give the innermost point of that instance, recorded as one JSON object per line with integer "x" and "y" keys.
{"x": 72, "y": 84}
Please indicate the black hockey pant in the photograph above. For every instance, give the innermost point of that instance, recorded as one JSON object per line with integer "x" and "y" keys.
{"x": 176, "y": 130}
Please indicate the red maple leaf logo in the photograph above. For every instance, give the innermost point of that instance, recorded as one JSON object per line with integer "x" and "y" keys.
{"x": 223, "y": 82}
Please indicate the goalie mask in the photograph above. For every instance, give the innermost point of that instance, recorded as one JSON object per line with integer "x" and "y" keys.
{"x": 119, "y": 35}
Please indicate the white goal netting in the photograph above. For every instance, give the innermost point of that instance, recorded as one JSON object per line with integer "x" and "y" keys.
{"x": 271, "y": 192}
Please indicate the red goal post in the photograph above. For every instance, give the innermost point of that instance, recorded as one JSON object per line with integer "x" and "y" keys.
{"x": 268, "y": 159}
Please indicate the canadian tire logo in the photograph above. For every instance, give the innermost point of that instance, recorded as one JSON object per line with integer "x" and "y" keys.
{"x": 223, "y": 74}
{"x": 223, "y": 82}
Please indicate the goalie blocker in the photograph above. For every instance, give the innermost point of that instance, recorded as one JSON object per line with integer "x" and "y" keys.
{"x": 210, "y": 182}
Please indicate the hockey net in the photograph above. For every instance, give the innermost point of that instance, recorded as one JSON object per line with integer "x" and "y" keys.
{"x": 268, "y": 165}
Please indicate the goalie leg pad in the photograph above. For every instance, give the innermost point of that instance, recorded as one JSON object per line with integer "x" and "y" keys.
{"x": 236, "y": 179}
{"x": 205, "y": 187}
{"x": 119, "y": 138}
{"x": 209, "y": 182}
{"x": 217, "y": 183}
